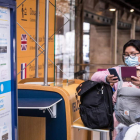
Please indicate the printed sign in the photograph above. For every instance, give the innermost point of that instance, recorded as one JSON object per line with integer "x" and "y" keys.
{"x": 5, "y": 76}
{"x": 23, "y": 42}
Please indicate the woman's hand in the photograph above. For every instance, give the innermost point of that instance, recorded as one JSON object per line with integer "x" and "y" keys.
{"x": 111, "y": 79}
{"x": 135, "y": 80}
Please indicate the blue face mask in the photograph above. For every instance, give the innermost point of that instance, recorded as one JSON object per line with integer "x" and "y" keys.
{"x": 132, "y": 61}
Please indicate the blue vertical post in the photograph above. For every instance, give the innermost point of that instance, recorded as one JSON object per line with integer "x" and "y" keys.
{"x": 8, "y": 82}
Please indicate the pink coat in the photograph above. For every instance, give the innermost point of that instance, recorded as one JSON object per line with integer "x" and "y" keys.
{"x": 100, "y": 76}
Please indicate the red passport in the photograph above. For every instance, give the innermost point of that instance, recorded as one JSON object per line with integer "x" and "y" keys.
{"x": 127, "y": 72}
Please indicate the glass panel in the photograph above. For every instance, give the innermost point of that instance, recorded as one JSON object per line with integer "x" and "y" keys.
{"x": 86, "y": 27}
{"x": 86, "y": 48}
{"x": 26, "y": 17}
{"x": 64, "y": 40}
{"x": 62, "y": 18}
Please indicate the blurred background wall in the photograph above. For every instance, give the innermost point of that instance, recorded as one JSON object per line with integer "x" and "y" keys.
{"x": 107, "y": 26}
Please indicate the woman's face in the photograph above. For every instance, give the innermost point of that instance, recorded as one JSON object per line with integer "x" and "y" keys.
{"x": 131, "y": 51}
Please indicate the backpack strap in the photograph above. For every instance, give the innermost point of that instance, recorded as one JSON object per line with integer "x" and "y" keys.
{"x": 110, "y": 134}
{"x": 111, "y": 128}
{"x": 120, "y": 83}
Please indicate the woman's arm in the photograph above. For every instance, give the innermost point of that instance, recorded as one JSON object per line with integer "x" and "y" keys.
{"x": 100, "y": 76}
{"x": 104, "y": 76}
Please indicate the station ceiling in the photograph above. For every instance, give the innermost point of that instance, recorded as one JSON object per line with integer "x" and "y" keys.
{"x": 135, "y": 3}
{"x": 129, "y": 4}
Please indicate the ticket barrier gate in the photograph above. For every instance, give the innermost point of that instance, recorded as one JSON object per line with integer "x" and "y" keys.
{"x": 55, "y": 108}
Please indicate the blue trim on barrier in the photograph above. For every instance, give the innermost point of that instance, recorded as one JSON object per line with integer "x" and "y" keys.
{"x": 12, "y": 7}
{"x": 12, "y": 85}
{"x": 8, "y": 3}
{"x": 5, "y": 87}
{"x": 55, "y": 127}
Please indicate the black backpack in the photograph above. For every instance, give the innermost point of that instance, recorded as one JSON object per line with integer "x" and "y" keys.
{"x": 96, "y": 108}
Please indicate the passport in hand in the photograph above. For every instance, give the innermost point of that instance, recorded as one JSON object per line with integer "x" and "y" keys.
{"x": 127, "y": 72}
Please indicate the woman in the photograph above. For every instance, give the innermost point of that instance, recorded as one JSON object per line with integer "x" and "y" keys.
{"x": 131, "y": 57}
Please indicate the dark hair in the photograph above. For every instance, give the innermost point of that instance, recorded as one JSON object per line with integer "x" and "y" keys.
{"x": 134, "y": 43}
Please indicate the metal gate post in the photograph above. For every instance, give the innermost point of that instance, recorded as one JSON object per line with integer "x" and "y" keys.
{"x": 46, "y": 43}
{"x": 37, "y": 38}
{"x": 103, "y": 136}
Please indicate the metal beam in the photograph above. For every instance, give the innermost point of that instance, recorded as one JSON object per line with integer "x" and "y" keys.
{"x": 123, "y": 25}
{"x": 95, "y": 19}
{"x": 37, "y": 38}
{"x": 20, "y": 4}
{"x": 117, "y": 5}
{"x": 46, "y": 43}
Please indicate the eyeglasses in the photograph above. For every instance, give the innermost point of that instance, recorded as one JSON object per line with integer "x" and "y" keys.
{"x": 133, "y": 55}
